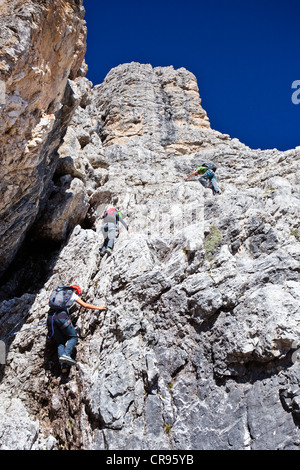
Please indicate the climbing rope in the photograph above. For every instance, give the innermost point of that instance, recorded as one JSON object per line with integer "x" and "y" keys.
{"x": 12, "y": 333}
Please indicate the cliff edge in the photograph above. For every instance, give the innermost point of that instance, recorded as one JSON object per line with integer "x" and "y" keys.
{"x": 196, "y": 348}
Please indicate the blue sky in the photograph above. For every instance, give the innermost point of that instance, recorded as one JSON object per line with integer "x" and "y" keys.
{"x": 244, "y": 53}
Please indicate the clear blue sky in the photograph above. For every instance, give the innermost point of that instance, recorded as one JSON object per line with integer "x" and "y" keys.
{"x": 244, "y": 53}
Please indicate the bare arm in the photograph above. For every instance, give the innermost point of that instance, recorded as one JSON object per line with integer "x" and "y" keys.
{"x": 124, "y": 223}
{"x": 192, "y": 174}
{"x": 90, "y": 306}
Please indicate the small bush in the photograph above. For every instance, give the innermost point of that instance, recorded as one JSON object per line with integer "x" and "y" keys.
{"x": 296, "y": 234}
{"x": 212, "y": 241}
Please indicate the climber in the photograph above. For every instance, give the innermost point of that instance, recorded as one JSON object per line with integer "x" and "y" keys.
{"x": 208, "y": 178}
{"x": 59, "y": 322}
{"x": 110, "y": 229}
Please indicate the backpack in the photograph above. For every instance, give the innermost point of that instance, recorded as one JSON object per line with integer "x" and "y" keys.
{"x": 112, "y": 210}
{"x": 210, "y": 166}
{"x": 60, "y": 298}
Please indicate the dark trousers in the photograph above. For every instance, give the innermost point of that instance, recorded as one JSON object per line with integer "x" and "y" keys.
{"x": 64, "y": 333}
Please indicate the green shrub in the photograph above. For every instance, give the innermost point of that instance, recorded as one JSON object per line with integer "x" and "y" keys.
{"x": 296, "y": 234}
{"x": 212, "y": 241}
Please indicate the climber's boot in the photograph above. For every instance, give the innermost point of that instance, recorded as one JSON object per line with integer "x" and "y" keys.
{"x": 103, "y": 251}
{"x": 67, "y": 359}
{"x": 65, "y": 368}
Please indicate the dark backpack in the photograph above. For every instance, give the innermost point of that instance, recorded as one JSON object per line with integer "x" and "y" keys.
{"x": 60, "y": 298}
{"x": 210, "y": 166}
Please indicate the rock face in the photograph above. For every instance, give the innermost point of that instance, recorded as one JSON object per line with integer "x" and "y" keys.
{"x": 196, "y": 349}
{"x": 42, "y": 47}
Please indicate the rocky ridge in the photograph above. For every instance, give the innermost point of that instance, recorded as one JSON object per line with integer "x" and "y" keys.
{"x": 41, "y": 62}
{"x": 196, "y": 349}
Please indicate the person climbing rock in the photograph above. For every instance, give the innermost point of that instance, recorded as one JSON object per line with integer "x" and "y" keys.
{"x": 208, "y": 177}
{"x": 60, "y": 324}
{"x": 110, "y": 229}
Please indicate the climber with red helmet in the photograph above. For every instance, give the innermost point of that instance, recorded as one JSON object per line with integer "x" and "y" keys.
{"x": 60, "y": 324}
{"x": 110, "y": 229}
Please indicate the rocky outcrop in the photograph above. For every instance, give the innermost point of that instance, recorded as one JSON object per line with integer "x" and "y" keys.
{"x": 42, "y": 48}
{"x": 160, "y": 103}
{"x": 196, "y": 349}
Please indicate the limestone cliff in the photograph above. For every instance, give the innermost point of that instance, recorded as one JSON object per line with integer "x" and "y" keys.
{"x": 42, "y": 48}
{"x": 196, "y": 349}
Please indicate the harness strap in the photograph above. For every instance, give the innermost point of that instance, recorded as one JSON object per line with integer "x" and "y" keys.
{"x": 52, "y": 319}
{"x": 67, "y": 322}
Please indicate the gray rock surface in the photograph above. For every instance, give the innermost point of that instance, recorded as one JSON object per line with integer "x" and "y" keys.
{"x": 42, "y": 47}
{"x": 196, "y": 347}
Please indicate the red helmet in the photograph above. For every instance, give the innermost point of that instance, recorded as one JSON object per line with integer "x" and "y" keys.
{"x": 77, "y": 289}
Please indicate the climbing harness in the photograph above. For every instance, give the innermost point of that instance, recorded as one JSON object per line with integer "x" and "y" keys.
{"x": 65, "y": 324}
